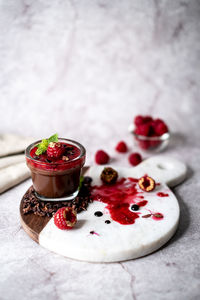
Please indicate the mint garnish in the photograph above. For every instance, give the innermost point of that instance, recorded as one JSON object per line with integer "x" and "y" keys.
{"x": 53, "y": 138}
{"x": 81, "y": 182}
{"x": 42, "y": 147}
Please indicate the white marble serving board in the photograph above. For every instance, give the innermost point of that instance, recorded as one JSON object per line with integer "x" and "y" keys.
{"x": 116, "y": 242}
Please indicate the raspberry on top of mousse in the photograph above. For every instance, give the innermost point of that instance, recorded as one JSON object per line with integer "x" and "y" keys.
{"x": 55, "y": 149}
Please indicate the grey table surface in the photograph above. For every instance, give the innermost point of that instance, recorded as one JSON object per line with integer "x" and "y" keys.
{"x": 84, "y": 69}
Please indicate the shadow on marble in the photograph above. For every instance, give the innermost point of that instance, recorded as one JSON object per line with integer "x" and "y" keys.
{"x": 184, "y": 221}
{"x": 113, "y": 160}
{"x": 79, "y": 224}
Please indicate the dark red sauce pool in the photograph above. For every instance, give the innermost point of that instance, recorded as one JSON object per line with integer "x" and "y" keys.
{"x": 119, "y": 197}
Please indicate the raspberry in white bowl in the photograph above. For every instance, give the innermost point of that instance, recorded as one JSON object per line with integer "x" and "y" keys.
{"x": 150, "y": 134}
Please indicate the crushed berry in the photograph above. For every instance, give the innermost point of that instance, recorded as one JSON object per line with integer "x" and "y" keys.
{"x": 109, "y": 176}
{"x": 146, "y": 183}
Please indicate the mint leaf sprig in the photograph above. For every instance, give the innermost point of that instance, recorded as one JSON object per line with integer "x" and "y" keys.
{"x": 81, "y": 182}
{"x": 42, "y": 147}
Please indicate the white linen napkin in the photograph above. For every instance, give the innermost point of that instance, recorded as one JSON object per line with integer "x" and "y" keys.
{"x": 13, "y": 169}
{"x": 12, "y": 144}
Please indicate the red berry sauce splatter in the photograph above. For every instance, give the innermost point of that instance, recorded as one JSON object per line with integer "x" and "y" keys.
{"x": 160, "y": 194}
{"x": 118, "y": 198}
{"x": 142, "y": 203}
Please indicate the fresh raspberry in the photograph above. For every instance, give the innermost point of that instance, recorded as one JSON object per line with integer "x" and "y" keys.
{"x": 121, "y": 147}
{"x": 135, "y": 159}
{"x": 65, "y": 218}
{"x": 157, "y": 121}
{"x": 143, "y": 129}
{"x": 139, "y": 120}
{"x": 55, "y": 150}
{"x": 147, "y": 119}
{"x": 101, "y": 157}
{"x": 161, "y": 128}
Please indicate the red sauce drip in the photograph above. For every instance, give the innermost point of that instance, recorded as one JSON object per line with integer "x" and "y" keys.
{"x": 160, "y": 194}
{"x": 142, "y": 203}
{"x": 118, "y": 198}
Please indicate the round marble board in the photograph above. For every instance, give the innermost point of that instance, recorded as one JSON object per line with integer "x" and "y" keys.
{"x": 115, "y": 242}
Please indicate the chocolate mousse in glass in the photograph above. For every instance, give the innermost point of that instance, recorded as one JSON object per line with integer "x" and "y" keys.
{"x": 56, "y": 179}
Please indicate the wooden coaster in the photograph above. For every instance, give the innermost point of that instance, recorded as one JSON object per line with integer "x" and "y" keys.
{"x": 32, "y": 224}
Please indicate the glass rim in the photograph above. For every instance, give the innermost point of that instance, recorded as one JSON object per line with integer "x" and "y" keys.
{"x": 72, "y": 142}
{"x": 163, "y": 137}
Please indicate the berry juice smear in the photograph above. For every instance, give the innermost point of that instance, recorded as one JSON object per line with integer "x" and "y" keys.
{"x": 160, "y": 194}
{"x": 119, "y": 197}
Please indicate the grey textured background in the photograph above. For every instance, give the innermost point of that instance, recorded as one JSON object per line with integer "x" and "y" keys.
{"x": 84, "y": 69}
